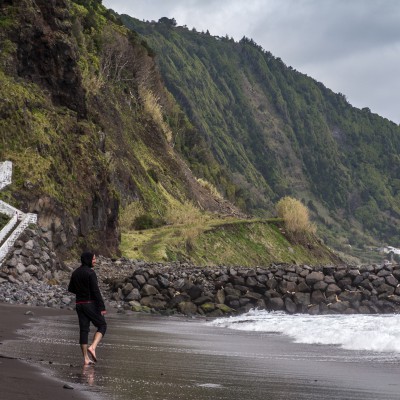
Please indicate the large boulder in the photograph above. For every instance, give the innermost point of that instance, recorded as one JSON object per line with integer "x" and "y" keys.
{"x": 220, "y": 296}
{"x": 302, "y": 298}
{"x": 195, "y": 291}
{"x": 153, "y": 302}
{"x": 148, "y": 290}
{"x": 339, "y": 306}
{"x": 187, "y": 308}
{"x": 140, "y": 279}
{"x": 290, "y": 306}
{"x": 276, "y": 304}
{"x": 314, "y": 277}
{"x": 133, "y": 295}
{"x": 303, "y": 287}
{"x": 317, "y": 297}
{"x": 332, "y": 289}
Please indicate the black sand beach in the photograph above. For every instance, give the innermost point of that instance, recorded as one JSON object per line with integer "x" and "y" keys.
{"x": 151, "y": 357}
{"x": 22, "y": 380}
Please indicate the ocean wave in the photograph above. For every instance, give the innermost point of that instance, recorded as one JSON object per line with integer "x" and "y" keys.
{"x": 380, "y": 333}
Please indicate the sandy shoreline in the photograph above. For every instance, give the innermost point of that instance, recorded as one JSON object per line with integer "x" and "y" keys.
{"x": 148, "y": 357}
{"x": 19, "y": 379}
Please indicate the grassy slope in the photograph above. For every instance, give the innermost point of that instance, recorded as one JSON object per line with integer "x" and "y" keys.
{"x": 228, "y": 242}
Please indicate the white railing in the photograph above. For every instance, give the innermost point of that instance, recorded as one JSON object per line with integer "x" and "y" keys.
{"x": 9, "y": 210}
{"x": 8, "y": 228}
{"x": 5, "y": 174}
{"x": 13, "y": 228}
{"x": 9, "y": 243}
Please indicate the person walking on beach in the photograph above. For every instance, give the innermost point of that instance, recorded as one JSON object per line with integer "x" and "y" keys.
{"x": 89, "y": 306}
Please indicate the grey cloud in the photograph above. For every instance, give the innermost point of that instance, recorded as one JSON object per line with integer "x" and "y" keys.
{"x": 330, "y": 29}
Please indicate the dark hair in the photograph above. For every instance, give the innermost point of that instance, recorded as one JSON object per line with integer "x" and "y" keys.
{"x": 87, "y": 258}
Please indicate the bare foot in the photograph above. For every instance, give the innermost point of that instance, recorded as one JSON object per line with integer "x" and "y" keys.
{"x": 88, "y": 361}
{"x": 92, "y": 353}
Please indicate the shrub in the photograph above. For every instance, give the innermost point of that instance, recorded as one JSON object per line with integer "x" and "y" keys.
{"x": 153, "y": 108}
{"x": 185, "y": 213}
{"x": 146, "y": 221}
{"x": 295, "y": 215}
{"x": 210, "y": 187}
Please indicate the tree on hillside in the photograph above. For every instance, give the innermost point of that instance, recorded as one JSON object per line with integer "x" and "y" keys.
{"x": 167, "y": 21}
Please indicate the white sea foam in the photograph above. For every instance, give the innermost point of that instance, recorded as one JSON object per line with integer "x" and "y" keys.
{"x": 380, "y": 333}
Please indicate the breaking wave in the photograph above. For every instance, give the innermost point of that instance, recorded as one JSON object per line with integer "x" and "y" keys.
{"x": 380, "y": 333}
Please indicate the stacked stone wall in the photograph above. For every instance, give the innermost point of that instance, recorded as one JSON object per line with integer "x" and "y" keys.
{"x": 227, "y": 290}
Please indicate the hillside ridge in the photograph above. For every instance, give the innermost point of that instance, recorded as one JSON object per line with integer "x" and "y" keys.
{"x": 273, "y": 131}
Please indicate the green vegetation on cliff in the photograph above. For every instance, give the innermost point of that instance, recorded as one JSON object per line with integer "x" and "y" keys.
{"x": 84, "y": 118}
{"x": 98, "y": 143}
{"x": 273, "y": 131}
{"x": 82, "y": 122}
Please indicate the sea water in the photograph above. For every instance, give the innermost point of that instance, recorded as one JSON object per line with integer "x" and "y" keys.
{"x": 254, "y": 356}
{"x": 377, "y": 333}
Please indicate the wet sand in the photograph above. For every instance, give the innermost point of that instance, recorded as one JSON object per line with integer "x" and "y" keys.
{"x": 20, "y": 379}
{"x": 150, "y": 357}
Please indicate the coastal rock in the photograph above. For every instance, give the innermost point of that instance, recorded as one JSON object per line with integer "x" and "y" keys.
{"x": 195, "y": 292}
{"x": 302, "y": 299}
{"x": 271, "y": 283}
{"x": 66, "y": 300}
{"x": 140, "y": 279}
{"x": 66, "y": 386}
{"x": 163, "y": 281}
{"x": 391, "y": 280}
{"x": 290, "y": 306}
{"x": 127, "y": 289}
{"x": 20, "y": 268}
{"x": 208, "y": 307}
{"x": 303, "y": 287}
{"x": 332, "y": 289}
{"x": 276, "y": 304}
{"x": 187, "y": 308}
{"x": 317, "y": 297}
{"x": 225, "y": 309}
{"x": 339, "y": 306}
{"x": 314, "y": 277}
{"x": 133, "y": 295}
{"x": 322, "y": 285}
{"x": 153, "y": 302}
{"x": 185, "y": 288}
{"x": 220, "y": 296}
{"x": 32, "y": 269}
{"x": 149, "y": 290}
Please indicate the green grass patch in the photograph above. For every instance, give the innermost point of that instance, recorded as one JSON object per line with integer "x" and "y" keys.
{"x": 228, "y": 242}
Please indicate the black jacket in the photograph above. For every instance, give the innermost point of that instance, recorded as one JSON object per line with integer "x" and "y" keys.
{"x": 84, "y": 285}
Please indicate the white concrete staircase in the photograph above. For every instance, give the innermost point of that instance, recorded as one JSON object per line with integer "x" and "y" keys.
{"x": 19, "y": 221}
{"x": 5, "y": 173}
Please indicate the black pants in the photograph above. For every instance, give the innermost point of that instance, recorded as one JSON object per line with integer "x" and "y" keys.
{"x": 88, "y": 313}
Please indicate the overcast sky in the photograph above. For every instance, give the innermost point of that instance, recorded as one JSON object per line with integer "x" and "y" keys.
{"x": 352, "y": 46}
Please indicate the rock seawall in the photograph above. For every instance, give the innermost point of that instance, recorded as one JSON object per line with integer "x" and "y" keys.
{"x": 31, "y": 260}
{"x": 227, "y": 290}
{"x": 210, "y": 291}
